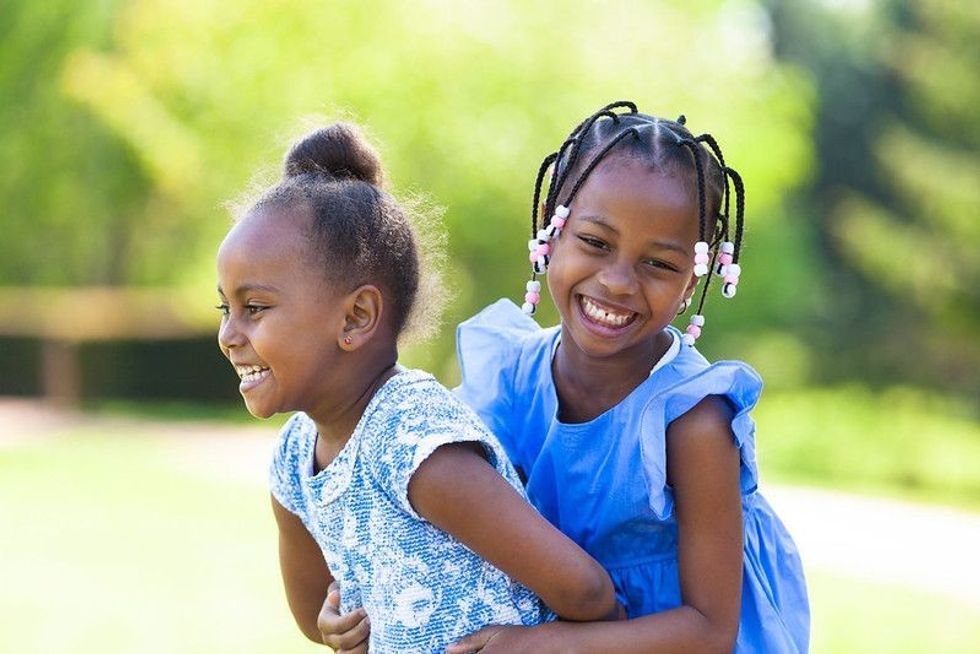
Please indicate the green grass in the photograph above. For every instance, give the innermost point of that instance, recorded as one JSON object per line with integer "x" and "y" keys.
{"x": 122, "y": 537}
{"x": 900, "y": 442}
{"x": 118, "y": 544}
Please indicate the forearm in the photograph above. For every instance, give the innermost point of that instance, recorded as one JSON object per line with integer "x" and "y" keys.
{"x": 305, "y": 575}
{"x": 683, "y": 629}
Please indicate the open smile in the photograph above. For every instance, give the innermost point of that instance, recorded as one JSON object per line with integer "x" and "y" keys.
{"x": 251, "y": 376}
{"x": 604, "y": 318}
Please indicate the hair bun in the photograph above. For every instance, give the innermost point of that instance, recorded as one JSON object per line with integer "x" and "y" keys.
{"x": 339, "y": 150}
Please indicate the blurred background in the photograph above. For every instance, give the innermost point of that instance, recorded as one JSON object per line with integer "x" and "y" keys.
{"x": 132, "y": 492}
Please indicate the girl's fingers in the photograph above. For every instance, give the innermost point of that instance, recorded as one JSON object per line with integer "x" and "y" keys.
{"x": 334, "y": 627}
{"x": 473, "y": 642}
{"x": 352, "y": 640}
{"x": 333, "y": 595}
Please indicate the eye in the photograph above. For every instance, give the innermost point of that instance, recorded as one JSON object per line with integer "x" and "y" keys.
{"x": 593, "y": 242}
{"x": 254, "y": 309}
{"x": 659, "y": 263}
{"x": 223, "y": 308}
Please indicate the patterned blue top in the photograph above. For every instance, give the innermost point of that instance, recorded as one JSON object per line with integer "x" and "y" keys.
{"x": 422, "y": 588}
{"x": 604, "y": 482}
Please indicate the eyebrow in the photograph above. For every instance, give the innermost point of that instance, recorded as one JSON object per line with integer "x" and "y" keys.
{"x": 663, "y": 245}
{"x": 245, "y": 288}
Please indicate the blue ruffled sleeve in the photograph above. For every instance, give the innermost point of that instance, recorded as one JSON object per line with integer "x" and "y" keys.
{"x": 733, "y": 380}
{"x": 488, "y": 347}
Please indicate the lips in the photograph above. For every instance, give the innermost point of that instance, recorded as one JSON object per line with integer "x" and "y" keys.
{"x": 604, "y": 316}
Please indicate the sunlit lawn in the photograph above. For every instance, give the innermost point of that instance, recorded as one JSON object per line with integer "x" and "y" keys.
{"x": 120, "y": 538}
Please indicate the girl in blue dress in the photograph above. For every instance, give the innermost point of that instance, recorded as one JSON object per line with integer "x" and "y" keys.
{"x": 630, "y": 441}
{"x": 384, "y": 480}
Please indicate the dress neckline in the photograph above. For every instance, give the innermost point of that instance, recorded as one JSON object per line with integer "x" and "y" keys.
{"x": 673, "y": 350}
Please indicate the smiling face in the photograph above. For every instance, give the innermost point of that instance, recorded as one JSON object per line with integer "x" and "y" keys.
{"x": 281, "y": 322}
{"x": 623, "y": 263}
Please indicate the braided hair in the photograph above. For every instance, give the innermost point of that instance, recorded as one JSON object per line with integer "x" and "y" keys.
{"x": 621, "y": 129}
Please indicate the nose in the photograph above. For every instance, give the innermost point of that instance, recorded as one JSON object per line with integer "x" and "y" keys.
{"x": 229, "y": 334}
{"x": 619, "y": 278}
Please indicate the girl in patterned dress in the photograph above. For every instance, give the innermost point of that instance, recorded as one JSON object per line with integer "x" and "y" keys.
{"x": 383, "y": 480}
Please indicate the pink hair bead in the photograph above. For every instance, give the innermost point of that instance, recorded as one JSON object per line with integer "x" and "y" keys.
{"x": 532, "y": 297}
{"x": 558, "y": 221}
{"x": 725, "y": 258}
{"x": 731, "y": 279}
{"x": 562, "y": 211}
{"x": 694, "y": 331}
{"x": 544, "y": 249}
{"x": 533, "y": 255}
{"x": 701, "y": 258}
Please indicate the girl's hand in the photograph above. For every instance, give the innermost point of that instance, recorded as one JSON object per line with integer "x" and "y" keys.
{"x": 347, "y": 634}
{"x": 499, "y": 639}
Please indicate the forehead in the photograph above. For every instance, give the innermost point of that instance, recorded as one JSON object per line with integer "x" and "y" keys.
{"x": 630, "y": 188}
{"x": 270, "y": 243}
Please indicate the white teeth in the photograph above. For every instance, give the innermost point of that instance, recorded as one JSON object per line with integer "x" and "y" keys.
{"x": 251, "y": 373}
{"x": 605, "y": 316}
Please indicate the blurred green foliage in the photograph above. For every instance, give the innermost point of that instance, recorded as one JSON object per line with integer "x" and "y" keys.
{"x": 126, "y": 125}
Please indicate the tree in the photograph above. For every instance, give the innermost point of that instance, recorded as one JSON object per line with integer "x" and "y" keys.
{"x": 895, "y": 191}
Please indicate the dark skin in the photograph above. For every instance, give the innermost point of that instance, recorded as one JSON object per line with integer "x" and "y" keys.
{"x": 299, "y": 343}
{"x": 625, "y": 251}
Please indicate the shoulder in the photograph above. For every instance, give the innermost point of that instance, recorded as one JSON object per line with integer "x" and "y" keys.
{"x": 692, "y": 378}
{"x": 295, "y": 436}
{"x": 498, "y": 332}
{"x": 411, "y": 405}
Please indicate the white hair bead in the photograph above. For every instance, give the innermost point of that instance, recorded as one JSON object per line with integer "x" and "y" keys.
{"x": 734, "y": 269}
{"x": 697, "y": 319}
{"x": 729, "y": 290}
{"x": 562, "y": 211}
{"x": 728, "y": 247}
{"x": 541, "y": 264}
{"x": 543, "y": 235}
{"x": 552, "y": 232}
{"x": 532, "y": 245}
{"x": 533, "y": 286}
{"x": 701, "y": 269}
{"x": 701, "y": 247}
{"x": 687, "y": 339}
{"x": 528, "y": 308}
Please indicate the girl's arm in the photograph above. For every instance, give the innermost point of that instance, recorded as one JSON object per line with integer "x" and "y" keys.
{"x": 703, "y": 469}
{"x": 457, "y": 490}
{"x": 307, "y": 581}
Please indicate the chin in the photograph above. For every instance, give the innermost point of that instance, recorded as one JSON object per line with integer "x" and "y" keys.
{"x": 260, "y": 412}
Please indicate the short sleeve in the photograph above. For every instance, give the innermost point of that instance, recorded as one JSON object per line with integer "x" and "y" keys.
{"x": 488, "y": 347}
{"x": 285, "y": 477}
{"x": 417, "y": 425}
{"x": 733, "y": 380}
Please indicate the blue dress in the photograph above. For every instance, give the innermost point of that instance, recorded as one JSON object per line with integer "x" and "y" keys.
{"x": 422, "y": 588}
{"x": 604, "y": 482}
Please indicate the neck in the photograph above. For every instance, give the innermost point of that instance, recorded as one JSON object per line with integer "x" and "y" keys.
{"x": 588, "y": 386}
{"x": 335, "y": 422}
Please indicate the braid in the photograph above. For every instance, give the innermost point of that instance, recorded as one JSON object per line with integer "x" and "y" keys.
{"x": 713, "y": 144}
{"x": 699, "y": 168}
{"x": 739, "y": 209}
{"x": 663, "y": 145}
{"x": 537, "y": 191}
{"x": 595, "y": 161}
{"x": 553, "y": 185}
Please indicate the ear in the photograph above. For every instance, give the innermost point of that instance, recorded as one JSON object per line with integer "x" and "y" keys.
{"x": 692, "y": 286}
{"x": 363, "y": 311}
